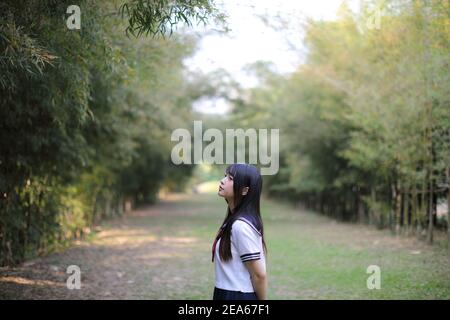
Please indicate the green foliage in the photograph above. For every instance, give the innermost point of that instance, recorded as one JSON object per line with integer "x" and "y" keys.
{"x": 364, "y": 122}
{"x": 85, "y": 117}
{"x": 160, "y": 16}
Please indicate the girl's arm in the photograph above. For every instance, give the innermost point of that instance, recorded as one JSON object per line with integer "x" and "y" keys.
{"x": 259, "y": 278}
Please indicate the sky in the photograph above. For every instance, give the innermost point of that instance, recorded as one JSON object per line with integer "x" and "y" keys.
{"x": 250, "y": 39}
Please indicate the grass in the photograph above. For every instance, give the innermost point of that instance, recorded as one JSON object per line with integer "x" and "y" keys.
{"x": 163, "y": 252}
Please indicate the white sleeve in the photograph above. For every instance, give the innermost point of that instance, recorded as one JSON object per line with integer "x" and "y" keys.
{"x": 247, "y": 241}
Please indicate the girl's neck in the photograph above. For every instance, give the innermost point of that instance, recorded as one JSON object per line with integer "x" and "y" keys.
{"x": 231, "y": 205}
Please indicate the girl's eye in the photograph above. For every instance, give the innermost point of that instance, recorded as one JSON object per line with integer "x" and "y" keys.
{"x": 227, "y": 175}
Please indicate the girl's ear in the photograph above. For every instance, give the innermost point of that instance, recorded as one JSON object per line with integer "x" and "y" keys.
{"x": 245, "y": 191}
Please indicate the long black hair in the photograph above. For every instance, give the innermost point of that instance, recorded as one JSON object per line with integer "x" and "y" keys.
{"x": 248, "y": 206}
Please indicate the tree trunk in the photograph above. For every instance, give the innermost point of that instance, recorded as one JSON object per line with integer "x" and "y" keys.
{"x": 322, "y": 208}
{"x": 392, "y": 210}
{"x": 360, "y": 207}
{"x": 372, "y": 213}
{"x": 429, "y": 120}
{"x": 448, "y": 208}
{"x": 430, "y": 214}
{"x": 406, "y": 210}
{"x": 414, "y": 220}
{"x": 398, "y": 208}
{"x": 403, "y": 212}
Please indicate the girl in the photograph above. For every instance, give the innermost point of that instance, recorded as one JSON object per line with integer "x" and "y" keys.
{"x": 239, "y": 248}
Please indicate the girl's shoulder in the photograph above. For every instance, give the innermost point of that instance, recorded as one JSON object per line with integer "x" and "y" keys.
{"x": 242, "y": 225}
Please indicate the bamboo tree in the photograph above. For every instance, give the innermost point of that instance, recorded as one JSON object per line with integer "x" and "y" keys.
{"x": 448, "y": 208}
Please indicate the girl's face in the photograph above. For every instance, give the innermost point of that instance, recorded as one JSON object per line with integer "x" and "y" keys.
{"x": 226, "y": 187}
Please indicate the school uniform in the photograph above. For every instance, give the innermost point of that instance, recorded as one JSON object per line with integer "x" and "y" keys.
{"x": 232, "y": 278}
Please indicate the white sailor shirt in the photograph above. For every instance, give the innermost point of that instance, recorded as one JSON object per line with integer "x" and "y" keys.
{"x": 246, "y": 245}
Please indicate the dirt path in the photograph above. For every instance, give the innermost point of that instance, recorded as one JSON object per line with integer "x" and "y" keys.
{"x": 163, "y": 252}
{"x": 140, "y": 256}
